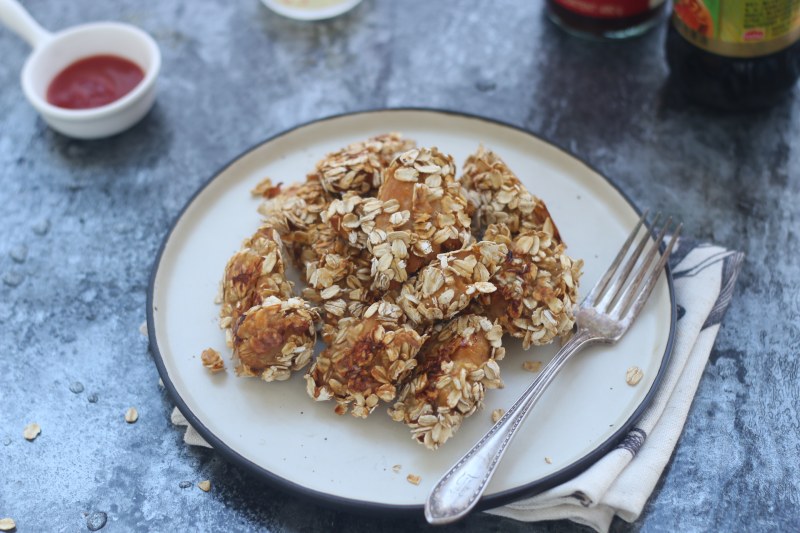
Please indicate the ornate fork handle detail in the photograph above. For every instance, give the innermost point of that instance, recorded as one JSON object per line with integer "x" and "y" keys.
{"x": 460, "y": 488}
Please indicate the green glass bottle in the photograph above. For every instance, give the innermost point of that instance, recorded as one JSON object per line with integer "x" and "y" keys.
{"x": 734, "y": 54}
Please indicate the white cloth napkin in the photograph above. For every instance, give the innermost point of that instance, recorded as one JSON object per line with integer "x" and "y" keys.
{"x": 621, "y": 482}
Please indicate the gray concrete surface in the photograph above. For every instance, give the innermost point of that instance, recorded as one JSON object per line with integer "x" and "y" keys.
{"x": 81, "y": 223}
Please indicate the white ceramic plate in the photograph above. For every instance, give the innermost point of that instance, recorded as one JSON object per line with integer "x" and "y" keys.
{"x": 276, "y": 430}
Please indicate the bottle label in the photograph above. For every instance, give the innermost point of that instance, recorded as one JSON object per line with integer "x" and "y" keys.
{"x": 609, "y": 9}
{"x": 738, "y": 28}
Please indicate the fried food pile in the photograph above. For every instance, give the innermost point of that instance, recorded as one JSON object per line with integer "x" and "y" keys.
{"x": 413, "y": 276}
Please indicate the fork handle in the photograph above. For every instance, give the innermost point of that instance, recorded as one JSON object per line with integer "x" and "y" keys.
{"x": 459, "y": 490}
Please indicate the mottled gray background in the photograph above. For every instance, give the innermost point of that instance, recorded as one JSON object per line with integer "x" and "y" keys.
{"x": 81, "y": 223}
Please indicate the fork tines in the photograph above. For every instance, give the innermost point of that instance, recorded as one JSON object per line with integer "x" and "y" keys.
{"x": 630, "y": 279}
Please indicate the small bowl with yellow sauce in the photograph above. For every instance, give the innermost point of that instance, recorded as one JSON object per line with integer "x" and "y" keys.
{"x": 310, "y": 9}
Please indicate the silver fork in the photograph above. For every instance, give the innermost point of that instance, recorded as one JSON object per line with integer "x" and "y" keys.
{"x": 603, "y": 317}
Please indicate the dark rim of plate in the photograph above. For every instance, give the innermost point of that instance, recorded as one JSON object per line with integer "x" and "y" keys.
{"x": 373, "y": 508}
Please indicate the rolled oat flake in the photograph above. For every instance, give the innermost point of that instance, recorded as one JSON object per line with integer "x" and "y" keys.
{"x": 634, "y": 375}
{"x": 131, "y": 415}
{"x": 31, "y": 431}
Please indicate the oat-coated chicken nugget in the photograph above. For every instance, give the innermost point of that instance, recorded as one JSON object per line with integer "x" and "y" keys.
{"x": 293, "y": 212}
{"x": 274, "y": 338}
{"x": 270, "y": 331}
{"x": 420, "y": 211}
{"x": 367, "y": 361}
{"x": 500, "y": 197}
{"x": 359, "y": 167}
{"x": 255, "y": 272}
{"x": 337, "y": 274}
{"x": 456, "y": 366}
{"x": 537, "y": 287}
{"x": 447, "y": 285}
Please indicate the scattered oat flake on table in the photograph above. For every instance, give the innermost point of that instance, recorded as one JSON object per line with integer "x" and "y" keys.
{"x": 633, "y": 375}
{"x": 397, "y": 468}
{"x": 204, "y": 485}
{"x": 532, "y": 366}
{"x": 497, "y": 414}
{"x": 548, "y": 460}
{"x": 143, "y": 328}
{"x": 31, "y": 431}
{"x": 7, "y": 524}
{"x": 413, "y": 479}
{"x": 212, "y": 360}
{"x": 131, "y": 415}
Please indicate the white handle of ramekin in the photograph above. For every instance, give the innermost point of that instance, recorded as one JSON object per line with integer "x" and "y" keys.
{"x": 18, "y": 20}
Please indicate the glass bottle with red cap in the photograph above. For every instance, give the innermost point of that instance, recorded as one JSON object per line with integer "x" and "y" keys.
{"x": 606, "y": 19}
